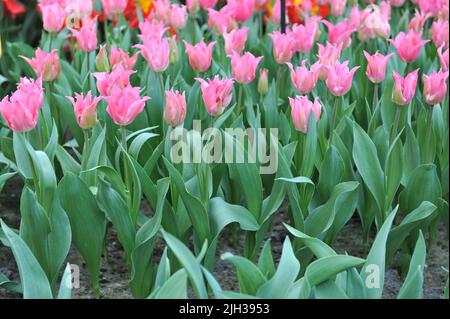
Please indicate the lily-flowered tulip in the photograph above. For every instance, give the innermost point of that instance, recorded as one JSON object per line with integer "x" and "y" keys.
{"x": 221, "y": 21}
{"x": 327, "y": 55}
{"x": 217, "y": 94}
{"x": 397, "y": 3}
{"x": 118, "y": 57}
{"x": 337, "y": 7}
{"x": 301, "y": 109}
{"x": 242, "y": 9}
{"x": 177, "y": 16}
{"x": 156, "y": 51}
{"x": 340, "y": 33}
{"x": 357, "y": 16}
{"x": 283, "y": 47}
{"x": 404, "y": 88}
{"x": 79, "y": 9}
{"x": 174, "y": 50}
{"x": 118, "y": 78}
{"x": 124, "y": 105}
{"x": 175, "y": 109}
{"x": 244, "y": 67}
{"x": 302, "y": 38}
{"x": 376, "y": 66}
{"x": 114, "y": 8}
{"x": 418, "y": 21}
{"x": 193, "y": 5}
{"x": 161, "y": 11}
{"x": 53, "y": 16}
{"x": 408, "y": 45}
{"x": 385, "y": 8}
{"x": 87, "y": 35}
{"x": 440, "y": 33}
{"x": 101, "y": 60}
{"x": 207, "y": 4}
{"x": 340, "y": 78}
{"x": 85, "y": 109}
{"x": 46, "y": 65}
{"x": 375, "y": 24}
{"x": 200, "y": 55}
{"x": 304, "y": 80}
{"x": 443, "y": 58}
{"x": 435, "y": 87}
{"x": 151, "y": 29}
{"x": 263, "y": 81}
{"x": 235, "y": 40}
{"x": 21, "y": 110}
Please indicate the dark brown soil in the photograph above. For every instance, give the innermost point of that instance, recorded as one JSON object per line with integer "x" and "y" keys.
{"x": 114, "y": 280}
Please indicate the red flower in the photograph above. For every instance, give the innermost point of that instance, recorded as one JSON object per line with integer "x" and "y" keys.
{"x": 13, "y": 7}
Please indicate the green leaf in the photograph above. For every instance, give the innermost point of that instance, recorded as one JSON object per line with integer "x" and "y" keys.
{"x": 393, "y": 170}
{"x": 34, "y": 282}
{"x": 175, "y": 287}
{"x": 68, "y": 163}
{"x": 65, "y": 289}
{"x": 318, "y": 247}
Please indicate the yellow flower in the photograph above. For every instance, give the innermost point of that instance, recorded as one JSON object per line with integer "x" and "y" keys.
{"x": 145, "y": 5}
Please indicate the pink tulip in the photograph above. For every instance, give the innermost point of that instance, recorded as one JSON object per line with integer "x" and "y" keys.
{"x": 376, "y": 66}
{"x": 263, "y": 82}
{"x": 435, "y": 87}
{"x": 443, "y": 58}
{"x": 404, "y": 88}
{"x": 397, "y": 3}
{"x": 161, "y": 10}
{"x": 156, "y": 51}
{"x": 21, "y": 110}
{"x": 85, "y": 109}
{"x": 120, "y": 57}
{"x": 151, "y": 29}
{"x": 118, "y": 78}
{"x": 216, "y": 94}
{"x": 340, "y": 33}
{"x": 242, "y": 9}
{"x": 244, "y": 67}
{"x": 357, "y": 16}
{"x": 312, "y": 26}
{"x": 207, "y": 4}
{"x": 385, "y": 9}
{"x": 276, "y": 12}
{"x": 200, "y": 55}
{"x": 301, "y": 109}
{"x": 283, "y": 47}
{"x": 101, "y": 60}
{"x": 193, "y": 5}
{"x": 221, "y": 21}
{"x": 114, "y": 8}
{"x": 327, "y": 55}
{"x": 408, "y": 45}
{"x": 433, "y": 7}
{"x": 376, "y": 24}
{"x": 124, "y": 105}
{"x": 46, "y": 65}
{"x": 304, "y": 80}
{"x": 177, "y": 16}
{"x": 337, "y": 7}
{"x": 235, "y": 40}
{"x": 79, "y": 9}
{"x": 87, "y": 35}
{"x": 340, "y": 78}
{"x": 440, "y": 33}
{"x": 53, "y": 16}
{"x": 175, "y": 109}
{"x": 302, "y": 38}
{"x": 416, "y": 24}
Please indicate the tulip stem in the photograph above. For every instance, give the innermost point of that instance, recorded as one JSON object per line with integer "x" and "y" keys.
{"x": 375, "y": 97}
{"x": 86, "y": 150}
{"x": 395, "y": 125}
{"x": 428, "y": 159}
{"x": 125, "y": 165}
{"x": 50, "y": 44}
{"x": 163, "y": 95}
{"x": 240, "y": 89}
{"x": 333, "y": 120}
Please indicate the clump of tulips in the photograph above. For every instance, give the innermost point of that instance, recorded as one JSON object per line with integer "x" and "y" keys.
{"x": 350, "y": 100}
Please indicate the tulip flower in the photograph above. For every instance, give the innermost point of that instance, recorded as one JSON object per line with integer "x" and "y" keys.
{"x": 263, "y": 82}
{"x": 161, "y": 11}
{"x": 340, "y": 78}
{"x": 193, "y": 5}
{"x": 327, "y": 55}
{"x": 124, "y": 105}
{"x": 302, "y": 37}
{"x": 242, "y": 9}
{"x": 376, "y": 66}
{"x": 385, "y": 9}
{"x": 304, "y": 80}
{"x": 53, "y": 16}
{"x": 435, "y": 87}
{"x": 397, "y": 3}
{"x": 244, "y": 67}
{"x": 340, "y": 33}
{"x": 151, "y": 30}
{"x": 113, "y": 8}
{"x": 443, "y": 58}
{"x": 177, "y": 16}
{"x": 221, "y": 21}
{"x": 408, "y": 45}
{"x": 120, "y": 57}
{"x": 85, "y": 109}
{"x": 301, "y": 109}
{"x": 283, "y": 47}
{"x": 79, "y": 9}
{"x": 46, "y": 65}
{"x": 101, "y": 60}
{"x": 416, "y": 24}
{"x": 200, "y": 55}
{"x": 375, "y": 24}
{"x": 87, "y": 35}
{"x": 207, "y": 4}
{"x": 337, "y": 7}
{"x": 217, "y": 94}
{"x": 175, "y": 109}
{"x": 357, "y": 16}
{"x": 404, "y": 88}
{"x": 440, "y": 33}
{"x": 21, "y": 110}
{"x": 118, "y": 78}
{"x": 156, "y": 51}
{"x": 174, "y": 50}
{"x": 235, "y": 40}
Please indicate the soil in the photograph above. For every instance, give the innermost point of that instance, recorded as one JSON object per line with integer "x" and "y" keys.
{"x": 114, "y": 273}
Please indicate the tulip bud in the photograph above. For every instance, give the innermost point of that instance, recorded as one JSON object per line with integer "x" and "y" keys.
{"x": 175, "y": 109}
{"x": 174, "y": 54}
{"x": 404, "y": 88}
{"x": 102, "y": 63}
{"x": 85, "y": 109}
{"x": 263, "y": 83}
